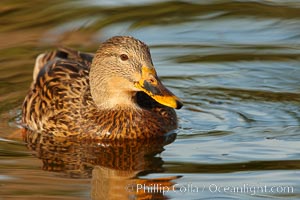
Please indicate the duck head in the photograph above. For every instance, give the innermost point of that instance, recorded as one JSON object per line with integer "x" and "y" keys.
{"x": 121, "y": 67}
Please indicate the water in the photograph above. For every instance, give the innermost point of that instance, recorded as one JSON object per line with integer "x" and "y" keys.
{"x": 236, "y": 66}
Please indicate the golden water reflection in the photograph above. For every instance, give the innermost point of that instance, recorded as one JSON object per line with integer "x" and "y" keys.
{"x": 114, "y": 167}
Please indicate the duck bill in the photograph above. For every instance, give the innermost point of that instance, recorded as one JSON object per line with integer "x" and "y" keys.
{"x": 153, "y": 87}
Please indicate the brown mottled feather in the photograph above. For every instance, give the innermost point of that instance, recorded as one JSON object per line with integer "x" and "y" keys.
{"x": 60, "y": 103}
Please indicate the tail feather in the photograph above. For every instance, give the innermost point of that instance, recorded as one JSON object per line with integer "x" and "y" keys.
{"x": 61, "y": 53}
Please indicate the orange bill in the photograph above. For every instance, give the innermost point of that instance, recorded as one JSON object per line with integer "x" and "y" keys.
{"x": 152, "y": 86}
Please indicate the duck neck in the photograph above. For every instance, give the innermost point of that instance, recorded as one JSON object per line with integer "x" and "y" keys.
{"x": 110, "y": 92}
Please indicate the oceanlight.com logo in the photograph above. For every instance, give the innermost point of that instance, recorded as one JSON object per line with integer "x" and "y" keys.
{"x": 251, "y": 189}
{"x": 212, "y": 188}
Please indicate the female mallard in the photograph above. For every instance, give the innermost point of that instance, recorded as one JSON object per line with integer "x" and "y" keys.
{"x": 114, "y": 94}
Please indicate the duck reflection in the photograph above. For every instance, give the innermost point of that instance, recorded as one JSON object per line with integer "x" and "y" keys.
{"x": 114, "y": 167}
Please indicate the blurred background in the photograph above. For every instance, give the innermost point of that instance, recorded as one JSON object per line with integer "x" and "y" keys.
{"x": 235, "y": 64}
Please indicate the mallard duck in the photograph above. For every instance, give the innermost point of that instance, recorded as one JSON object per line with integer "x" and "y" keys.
{"x": 113, "y": 94}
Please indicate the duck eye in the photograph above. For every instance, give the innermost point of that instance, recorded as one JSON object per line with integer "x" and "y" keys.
{"x": 124, "y": 57}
